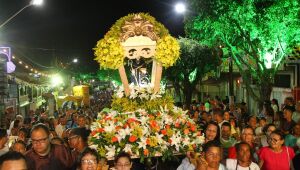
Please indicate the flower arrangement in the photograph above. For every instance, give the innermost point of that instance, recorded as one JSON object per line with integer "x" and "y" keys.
{"x": 141, "y": 98}
{"x": 145, "y": 134}
{"x": 167, "y": 46}
{"x": 110, "y": 54}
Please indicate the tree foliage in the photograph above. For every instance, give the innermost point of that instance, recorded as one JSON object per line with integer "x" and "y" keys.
{"x": 194, "y": 62}
{"x": 257, "y": 33}
{"x": 109, "y": 75}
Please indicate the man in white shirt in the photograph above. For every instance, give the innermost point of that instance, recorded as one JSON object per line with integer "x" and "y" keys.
{"x": 59, "y": 129}
{"x": 18, "y": 117}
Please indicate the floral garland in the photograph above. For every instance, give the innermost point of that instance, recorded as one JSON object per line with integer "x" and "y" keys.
{"x": 110, "y": 53}
{"x": 145, "y": 134}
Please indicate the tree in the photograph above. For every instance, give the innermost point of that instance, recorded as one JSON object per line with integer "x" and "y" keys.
{"x": 195, "y": 61}
{"x": 257, "y": 33}
{"x": 109, "y": 75}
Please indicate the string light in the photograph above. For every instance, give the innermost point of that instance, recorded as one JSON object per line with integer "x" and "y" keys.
{"x": 32, "y": 69}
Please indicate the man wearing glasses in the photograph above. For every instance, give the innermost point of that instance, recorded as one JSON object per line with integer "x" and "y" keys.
{"x": 46, "y": 156}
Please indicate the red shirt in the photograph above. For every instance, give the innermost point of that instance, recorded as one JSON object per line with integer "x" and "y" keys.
{"x": 232, "y": 152}
{"x": 276, "y": 161}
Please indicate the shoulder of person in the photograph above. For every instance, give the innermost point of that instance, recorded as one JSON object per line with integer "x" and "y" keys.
{"x": 254, "y": 165}
{"x": 230, "y": 162}
{"x": 222, "y": 167}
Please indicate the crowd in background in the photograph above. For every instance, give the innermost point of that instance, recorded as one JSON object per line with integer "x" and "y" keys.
{"x": 234, "y": 139}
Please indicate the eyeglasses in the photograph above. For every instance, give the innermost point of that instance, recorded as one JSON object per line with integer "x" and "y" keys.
{"x": 89, "y": 161}
{"x": 72, "y": 137}
{"x": 39, "y": 141}
{"x": 123, "y": 165}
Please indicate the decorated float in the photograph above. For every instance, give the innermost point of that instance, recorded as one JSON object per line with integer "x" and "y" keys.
{"x": 143, "y": 120}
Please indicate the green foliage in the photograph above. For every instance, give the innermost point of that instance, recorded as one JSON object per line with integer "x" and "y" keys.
{"x": 257, "y": 33}
{"x": 109, "y": 75}
{"x": 194, "y": 62}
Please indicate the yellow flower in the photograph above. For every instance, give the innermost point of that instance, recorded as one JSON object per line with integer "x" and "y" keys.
{"x": 110, "y": 53}
{"x": 153, "y": 141}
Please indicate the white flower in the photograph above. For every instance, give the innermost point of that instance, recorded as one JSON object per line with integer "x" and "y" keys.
{"x": 128, "y": 148}
{"x": 133, "y": 94}
{"x": 111, "y": 150}
{"x": 112, "y": 114}
{"x": 176, "y": 140}
{"x": 200, "y": 139}
{"x": 145, "y": 130}
{"x": 149, "y": 89}
{"x": 110, "y": 127}
{"x": 167, "y": 119}
{"x": 123, "y": 133}
{"x": 159, "y": 138}
{"x": 120, "y": 94}
{"x": 94, "y": 146}
{"x": 142, "y": 143}
{"x": 154, "y": 96}
{"x": 186, "y": 141}
{"x": 144, "y": 96}
{"x": 144, "y": 120}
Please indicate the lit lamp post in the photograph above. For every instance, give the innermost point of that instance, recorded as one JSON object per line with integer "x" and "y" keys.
{"x": 6, "y": 63}
{"x": 180, "y": 8}
{"x": 32, "y": 2}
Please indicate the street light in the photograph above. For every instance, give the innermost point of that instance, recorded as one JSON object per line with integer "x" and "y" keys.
{"x": 32, "y": 2}
{"x": 180, "y": 8}
{"x": 75, "y": 60}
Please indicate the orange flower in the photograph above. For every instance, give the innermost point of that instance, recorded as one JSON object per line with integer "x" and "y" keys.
{"x": 125, "y": 126}
{"x": 148, "y": 141}
{"x": 193, "y": 128}
{"x": 94, "y": 133}
{"x": 118, "y": 128}
{"x": 170, "y": 140}
{"x": 163, "y": 131}
{"x": 114, "y": 139}
{"x": 132, "y": 138}
{"x": 130, "y": 120}
{"x": 188, "y": 124}
{"x": 146, "y": 152}
{"x": 154, "y": 125}
{"x": 107, "y": 118}
{"x": 177, "y": 125}
{"x": 167, "y": 126}
{"x": 186, "y": 131}
{"x": 100, "y": 130}
{"x": 151, "y": 117}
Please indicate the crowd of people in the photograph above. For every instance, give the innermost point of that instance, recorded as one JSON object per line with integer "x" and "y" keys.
{"x": 237, "y": 140}
{"x": 234, "y": 139}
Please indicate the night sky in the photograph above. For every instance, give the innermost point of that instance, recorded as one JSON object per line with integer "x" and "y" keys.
{"x": 65, "y": 29}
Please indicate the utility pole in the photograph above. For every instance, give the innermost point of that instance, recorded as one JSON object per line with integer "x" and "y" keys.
{"x": 231, "y": 94}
